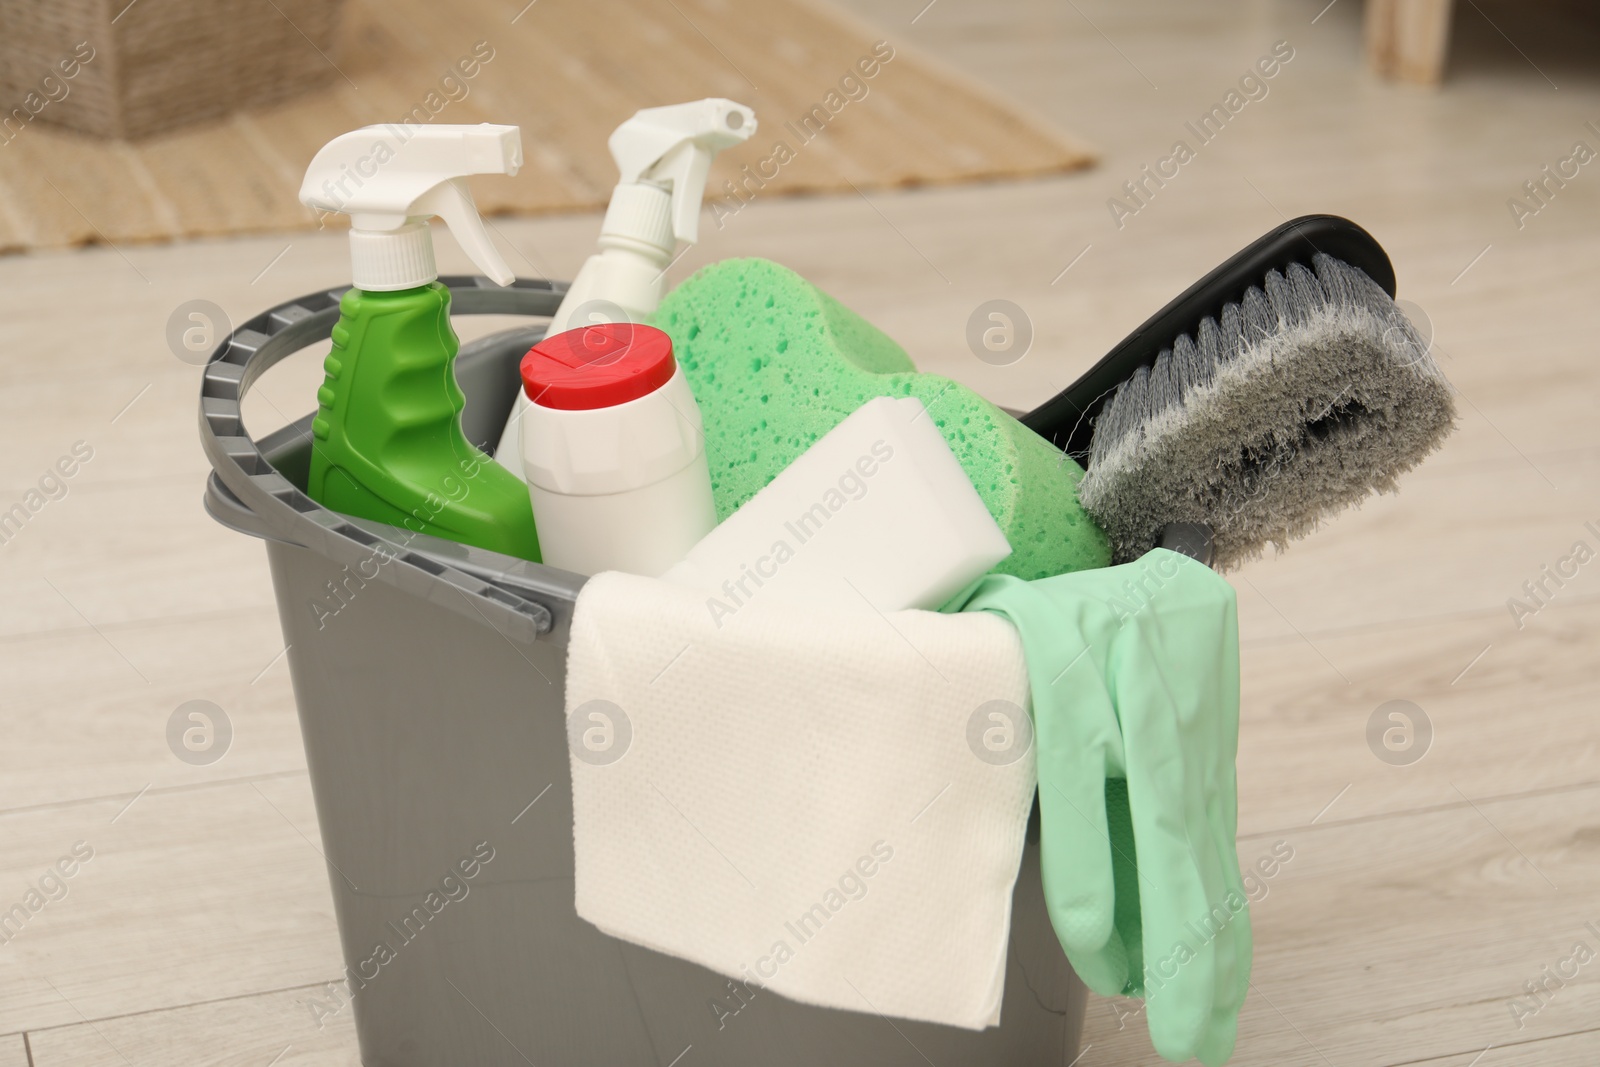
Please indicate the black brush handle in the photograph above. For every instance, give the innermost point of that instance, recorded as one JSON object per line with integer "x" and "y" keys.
{"x": 1067, "y": 419}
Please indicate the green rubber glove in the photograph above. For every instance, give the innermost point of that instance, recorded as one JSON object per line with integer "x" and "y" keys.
{"x": 1134, "y": 673}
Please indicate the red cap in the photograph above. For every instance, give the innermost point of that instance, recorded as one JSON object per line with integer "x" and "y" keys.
{"x": 597, "y": 366}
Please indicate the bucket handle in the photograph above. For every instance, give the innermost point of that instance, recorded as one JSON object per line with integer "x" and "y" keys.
{"x": 287, "y": 514}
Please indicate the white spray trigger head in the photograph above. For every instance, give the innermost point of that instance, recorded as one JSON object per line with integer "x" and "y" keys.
{"x": 672, "y": 147}
{"x": 391, "y": 179}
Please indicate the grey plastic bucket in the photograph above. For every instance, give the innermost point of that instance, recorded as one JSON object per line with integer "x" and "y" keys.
{"x": 429, "y": 682}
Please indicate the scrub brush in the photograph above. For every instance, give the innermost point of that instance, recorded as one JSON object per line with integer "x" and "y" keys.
{"x": 1281, "y": 388}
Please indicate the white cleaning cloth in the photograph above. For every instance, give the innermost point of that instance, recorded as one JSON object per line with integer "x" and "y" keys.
{"x": 826, "y": 802}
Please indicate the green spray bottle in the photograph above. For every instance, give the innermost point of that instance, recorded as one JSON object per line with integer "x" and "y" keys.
{"x": 387, "y": 440}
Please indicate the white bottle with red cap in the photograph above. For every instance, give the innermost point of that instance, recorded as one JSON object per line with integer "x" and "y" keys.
{"x": 613, "y": 452}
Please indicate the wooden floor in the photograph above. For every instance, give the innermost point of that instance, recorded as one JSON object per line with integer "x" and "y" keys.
{"x": 1420, "y": 899}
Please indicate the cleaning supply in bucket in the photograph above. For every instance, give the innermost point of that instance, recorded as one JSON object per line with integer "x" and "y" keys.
{"x": 1279, "y": 389}
{"x": 387, "y": 440}
{"x": 877, "y": 510}
{"x": 612, "y": 451}
{"x": 775, "y": 363}
{"x": 864, "y": 858}
{"x": 663, "y": 155}
{"x": 1135, "y": 689}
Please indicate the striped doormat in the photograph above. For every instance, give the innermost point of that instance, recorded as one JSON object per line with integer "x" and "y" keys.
{"x": 841, "y": 105}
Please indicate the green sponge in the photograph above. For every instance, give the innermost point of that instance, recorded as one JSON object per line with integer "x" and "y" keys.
{"x": 775, "y": 363}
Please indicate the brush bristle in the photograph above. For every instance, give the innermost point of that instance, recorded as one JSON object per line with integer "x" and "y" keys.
{"x": 1307, "y": 395}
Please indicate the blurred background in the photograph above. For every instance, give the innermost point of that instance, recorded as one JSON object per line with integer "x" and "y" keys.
{"x": 150, "y": 153}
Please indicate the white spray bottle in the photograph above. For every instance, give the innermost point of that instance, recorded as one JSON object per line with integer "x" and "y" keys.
{"x": 663, "y": 155}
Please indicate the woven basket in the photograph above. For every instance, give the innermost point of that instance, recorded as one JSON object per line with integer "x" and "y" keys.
{"x": 126, "y": 70}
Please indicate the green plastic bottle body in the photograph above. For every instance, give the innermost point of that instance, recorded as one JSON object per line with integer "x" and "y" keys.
{"x": 387, "y": 435}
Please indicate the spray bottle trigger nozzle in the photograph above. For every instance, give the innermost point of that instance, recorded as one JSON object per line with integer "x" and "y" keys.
{"x": 671, "y": 148}
{"x": 452, "y": 201}
{"x": 686, "y": 167}
{"x": 391, "y": 180}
